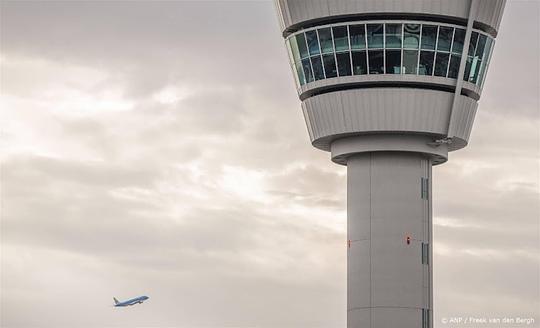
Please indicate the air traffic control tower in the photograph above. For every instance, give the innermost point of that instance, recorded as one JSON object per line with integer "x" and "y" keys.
{"x": 389, "y": 87}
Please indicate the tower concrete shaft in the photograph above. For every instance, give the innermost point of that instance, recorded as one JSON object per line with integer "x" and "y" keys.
{"x": 389, "y": 228}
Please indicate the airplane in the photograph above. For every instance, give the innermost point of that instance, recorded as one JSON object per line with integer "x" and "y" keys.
{"x": 133, "y": 301}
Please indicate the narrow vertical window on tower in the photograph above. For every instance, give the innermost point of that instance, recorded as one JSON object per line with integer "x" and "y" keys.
{"x": 425, "y": 318}
{"x": 425, "y": 253}
{"x": 424, "y": 188}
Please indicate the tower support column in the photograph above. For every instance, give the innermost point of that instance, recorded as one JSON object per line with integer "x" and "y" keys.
{"x": 389, "y": 227}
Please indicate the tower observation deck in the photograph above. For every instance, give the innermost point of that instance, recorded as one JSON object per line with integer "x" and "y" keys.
{"x": 389, "y": 88}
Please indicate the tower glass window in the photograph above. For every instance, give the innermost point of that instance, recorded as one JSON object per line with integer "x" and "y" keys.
{"x": 330, "y": 65}
{"x": 441, "y": 64}
{"x": 318, "y": 71}
{"x": 453, "y": 67}
{"x": 359, "y": 62}
{"x": 411, "y": 36}
{"x": 393, "y": 36}
{"x": 393, "y": 61}
{"x": 302, "y": 47}
{"x": 388, "y": 48}
{"x": 376, "y": 62}
{"x": 341, "y": 38}
{"x": 410, "y": 61}
{"x": 459, "y": 39}
{"x": 325, "y": 39}
{"x": 485, "y": 62}
{"x": 445, "y": 38}
{"x": 358, "y": 36}
{"x": 308, "y": 73}
{"x": 313, "y": 43}
{"x": 425, "y": 66}
{"x": 375, "y": 34}
{"x": 344, "y": 63}
{"x": 429, "y": 37}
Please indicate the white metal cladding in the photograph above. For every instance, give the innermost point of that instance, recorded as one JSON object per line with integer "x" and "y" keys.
{"x": 490, "y": 12}
{"x": 463, "y": 117}
{"x": 297, "y": 11}
{"x": 375, "y": 110}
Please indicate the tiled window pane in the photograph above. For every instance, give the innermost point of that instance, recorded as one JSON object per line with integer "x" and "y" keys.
{"x": 313, "y": 43}
{"x": 453, "y": 69}
{"x": 300, "y": 73}
{"x": 325, "y": 38}
{"x": 393, "y": 35}
{"x": 441, "y": 64}
{"x": 375, "y": 35}
{"x": 429, "y": 37}
{"x": 301, "y": 41}
{"x": 341, "y": 38}
{"x": 459, "y": 38}
{"x": 425, "y": 66}
{"x": 393, "y": 61}
{"x": 472, "y": 43}
{"x": 358, "y": 36}
{"x": 445, "y": 38}
{"x": 344, "y": 63}
{"x": 359, "y": 62}
{"x": 329, "y": 66}
{"x": 307, "y": 70}
{"x": 317, "y": 67}
{"x": 480, "y": 46}
{"x": 411, "y": 36}
{"x": 475, "y": 68}
{"x": 468, "y": 65}
{"x": 376, "y": 63}
{"x": 410, "y": 60}
{"x": 477, "y": 59}
{"x": 294, "y": 50}
{"x": 485, "y": 61}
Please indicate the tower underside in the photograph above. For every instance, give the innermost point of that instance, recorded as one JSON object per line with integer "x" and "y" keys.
{"x": 389, "y": 274}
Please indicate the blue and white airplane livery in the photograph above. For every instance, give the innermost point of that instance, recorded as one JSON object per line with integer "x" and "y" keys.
{"x": 133, "y": 301}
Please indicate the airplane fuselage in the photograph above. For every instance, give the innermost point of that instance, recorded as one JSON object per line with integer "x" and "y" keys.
{"x": 133, "y": 301}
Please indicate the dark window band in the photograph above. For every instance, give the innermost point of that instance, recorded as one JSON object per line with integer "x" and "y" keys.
{"x": 386, "y": 84}
{"x": 387, "y": 16}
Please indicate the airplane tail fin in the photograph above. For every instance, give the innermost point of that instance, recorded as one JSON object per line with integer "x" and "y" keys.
{"x": 115, "y": 300}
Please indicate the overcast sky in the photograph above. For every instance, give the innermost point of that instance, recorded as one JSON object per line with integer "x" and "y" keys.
{"x": 159, "y": 148}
